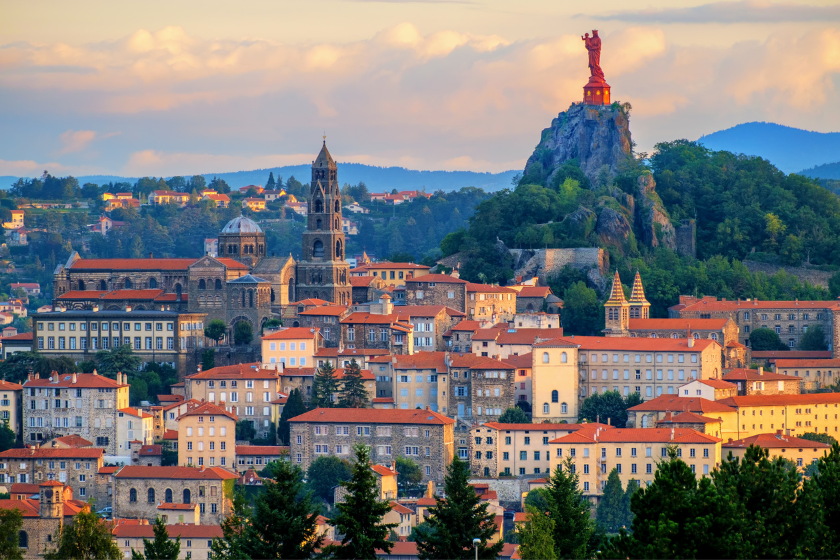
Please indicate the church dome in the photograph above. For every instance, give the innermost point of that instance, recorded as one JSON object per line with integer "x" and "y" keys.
{"x": 241, "y": 224}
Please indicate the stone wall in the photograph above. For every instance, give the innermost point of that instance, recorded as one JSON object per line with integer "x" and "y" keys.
{"x": 815, "y": 277}
{"x": 509, "y": 490}
{"x": 686, "y": 233}
{"x": 544, "y": 263}
{"x": 209, "y": 494}
{"x": 437, "y": 294}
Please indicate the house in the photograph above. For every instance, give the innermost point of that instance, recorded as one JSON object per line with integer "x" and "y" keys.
{"x": 255, "y": 204}
{"x": 258, "y": 456}
{"x": 18, "y": 237}
{"x": 11, "y": 395}
{"x": 293, "y": 346}
{"x": 16, "y": 343}
{"x": 246, "y": 188}
{"x": 104, "y": 225}
{"x": 272, "y": 195}
{"x": 348, "y": 227}
{"x": 711, "y": 389}
{"x": 815, "y": 374}
{"x": 803, "y": 452}
{"x": 394, "y": 274}
{"x": 220, "y": 200}
{"x": 73, "y": 466}
{"x": 115, "y": 203}
{"x": 207, "y": 437}
{"x": 759, "y": 382}
{"x": 31, "y": 288}
{"x": 133, "y": 425}
{"x": 169, "y": 197}
{"x": 356, "y": 208}
{"x": 647, "y": 414}
{"x": 301, "y": 208}
{"x": 16, "y": 221}
{"x": 211, "y": 247}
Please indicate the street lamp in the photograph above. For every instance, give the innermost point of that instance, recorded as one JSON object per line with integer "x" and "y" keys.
{"x": 476, "y": 542}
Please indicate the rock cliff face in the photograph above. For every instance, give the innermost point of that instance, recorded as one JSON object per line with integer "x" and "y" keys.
{"x": 654, "y": 222}
{"x": 597, "y": 136}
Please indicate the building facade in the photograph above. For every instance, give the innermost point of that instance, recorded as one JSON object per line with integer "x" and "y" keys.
{"x": 207, "y": 437}
{"x": 72, "y": 467}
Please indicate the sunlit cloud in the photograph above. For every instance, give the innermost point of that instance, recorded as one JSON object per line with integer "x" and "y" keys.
{"x": 745, "y": 11}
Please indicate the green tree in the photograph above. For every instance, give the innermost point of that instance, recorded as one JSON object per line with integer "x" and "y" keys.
{"x": 325, "y": 473}
{"x": 7, "y": 436}
{"x": 324, "y": 387}
{"x": 11, "y": 522}
{"x": 763, "y": 339}
{"x": 538, "y": 498}
{"x": 208, "y": 359}
{"x": 455, "y": 521}
{"x": 627, "y": 513}
{"x": 570, "y": 512}
{"x": 513, "y": 415}
{"x": 353, "y": 392}
{"x": 245, "y": 430}
{"x": 270, "y": 184}
{"x": 822, "y": 438}
{"x": 87, "y": 538}
{"x": 160, "y": 548}
{"x": 536, "y": 536}
{"x": 813, "y": 339}
{"x": 294, "y": 407}
{"x": 120, "y": 359}
{"x": 582, "y": 315}
{"x": 231, "y": 545}
{"x": 610, "y": 513}
{"x": 360, "y": 516}
{"x": 243, "y": 333}
{"x": 409, "y": 473}
{"x": 284, "y": 522}
{"x": 215, "y": 330}
{"x": 609, "y": 407}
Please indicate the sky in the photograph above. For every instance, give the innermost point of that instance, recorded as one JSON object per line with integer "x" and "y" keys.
{"x": 176, "y": 88}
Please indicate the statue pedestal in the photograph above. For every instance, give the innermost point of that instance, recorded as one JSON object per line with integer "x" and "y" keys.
{"x": 596, "y": 93}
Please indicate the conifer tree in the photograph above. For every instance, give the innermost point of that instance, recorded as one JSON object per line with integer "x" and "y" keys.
{"x": 324, "y": 386}
{"x": 284, "y": 522}
{"x": 353, "y": 392}
{"x": 455, "y": 521}
{"x": 294, "y": 407}
{"x": 160, "y": 548}
{"x": 270, "y": 184}
{"x": 610, "y": 512}
{"x": 360, "y": 515}
{"x": 570, "y": 511}
{"x": 536, "y": 536}
{"x": 231, "y": 545}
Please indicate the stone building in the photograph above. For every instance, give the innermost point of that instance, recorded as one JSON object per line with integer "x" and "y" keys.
{"x": 195, "y": 539}
{"x": 327, "y": 319}
{"x": 802, "y": 452}
{"x": 366, "y": 288}
{"x": 429, "y": 322}
{"x": 618, "y": 311}
{"x": 10, "y": 403}
{"x": 459, "y": 337}
{"x": 242, "y": 240}
{"x": 535, "y": 299}
{"x": 393, "y": 274}
{"x": 649, "y": 413}
{"x": 387, "y": 331}
{"x": 490, "y": 303}
{"x": 43, "y": 518}
{"x": 815, "y": 374}
{"x": 691, "y": 421}
{"x": 480, "y": 388}
{"x": 138, "y": 491}
{"x": 84, "y": 404}
{"x": 245, "y": 390}
{"x": 421, "y": 435}
{"x": 73, "y": 467}
{"x": 207, "y": 437}
{"x": 759, "y": 382}
{"x": 437, "y": 289}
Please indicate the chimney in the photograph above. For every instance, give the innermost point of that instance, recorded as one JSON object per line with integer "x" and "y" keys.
{"x": 151, "y": 255}
{"x": 37, "y": 376}
{"x": 690, "y": 340}
{"x": 128, "y": 309}
{"x": 672, "y": 434}
{"x": 74, "y": 378}
{"x": 609, "y": 421}
{"x": 199, "y": 368}
{"x": 95, "y": 372}
{"x": 760, "y": 370}
{"x": 95, "y": 309}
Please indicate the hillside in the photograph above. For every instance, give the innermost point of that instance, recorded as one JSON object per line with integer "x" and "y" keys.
{"x": 376, "y": 178}
{"x": 789, "y": 149}
{"x": 829, "y": 171}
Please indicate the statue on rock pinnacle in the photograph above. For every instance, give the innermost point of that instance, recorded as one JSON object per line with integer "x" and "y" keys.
{"x": 597, "y": 91}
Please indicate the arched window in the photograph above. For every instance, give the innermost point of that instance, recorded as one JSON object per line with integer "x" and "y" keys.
{"x": 675, "y": 335}
{"x": 545, "y": 357}
{"x": 318, "y": 249}
{"x": 250, "y": 298}
{"x": 243, "y": 298}
{"x": 132, "y": 495}
{"x": 168, "y": 496}
{"x": 82, "y": 285}
{"x": 563, "y": 358}
{"x": 186, "y": 495}
{"x": 696, "y": 336}
{"x": 564, "y": 408}
{"x": 202, "y": 285}
{"x": 272, "y": 295}
{"x": 218, "y": 284}
{"x": 555, "y": 396}
{"x": 178, "y": 288}
{"x": 23, "y": 539}
{"x": 102, "y": 285}
{"x": 337, "y": 206}
{"x": 151, "y": 495}
{"x": 714, "y": 336}
{"x": 318, "y": 223}
{"x": 319, "y": 205}
{"x": 545, "y": 408}
{"x": 336, "y": 223}
{"x": 152, "y": 283}
{"x": 338, "y": 249}
{"x": 128, "y": 284}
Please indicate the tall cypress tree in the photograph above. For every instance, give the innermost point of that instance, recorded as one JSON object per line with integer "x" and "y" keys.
{"x": 270, "y": 185}
{"x": 294, "y": 407}
{"x": 160, "y": 548}
{"x": 360, "y": 515}
{"x": 324, "y": 386}
{"x": 457, "y": 520}
{"x": 353, "y": 392}
{"x": 570, "y": 511}
{"x": 284, "y": 523}
{"x": 610, "y": 513}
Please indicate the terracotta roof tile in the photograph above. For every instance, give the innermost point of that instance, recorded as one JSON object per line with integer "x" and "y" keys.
{"x": 426, "y": 311}
{"x": 325, "y": 310}
{"x": 674, "y": 403}
{"x": 132, "y": 294}
{"x": 208, "y": 409}
{"x": 83, "y": 294}
{"x": 132, "y": 264}
{"x": 544, "y": 427}
{"x": 298, "y": 372}
{"x": 717, "y": 383}
{"x": 519, "y": 361}
{"x": 8, "y": 385}
{"x": 691, "y": 418}
{"x": 311, "y": 301}
{"x": 261, "y": 449}
{"x": 150, "y": 451}
{"x": 640, "y": 435}
{"x": 175, "y": 473}
{"x": 775, "y": 441}
{"x": 707, "y": 305}
{"x": 535, "y": 292}
{"x": 170, "y": 435}
{"x": 806, "y": 364}
{"x": 781, "y": 400}
{"x": 83, "y": 381}
{"x": 21, "y": 336}
{"x": 74, "y": 440}
{"x": 678, "y": 324}
{"x": 638, "y": 344}
{"x": 373, "y": 415}
{"x": 437, "y": 278}
{"x": 293, "y": 333}
{"x": 476, "y": 362}
{"x": 362, "y": 281}
{"x": 182, "y": 507}
{"x": 743, "y": 374}
{"x": 489, "y": 289}
{"x": 237, "y": 371}
{"x": 383, "y": 470}
{"x": 791, "y": 354}
{"x": 362, "y": 318}
{"x": 399, "y": 508}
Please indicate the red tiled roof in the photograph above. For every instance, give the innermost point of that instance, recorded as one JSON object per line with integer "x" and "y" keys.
{"x": 132, "y": 294}
{"x": 171, "y": 506}
{"x": 83, "y": 294}
{"x": 782, "y": 400}
{"x": 326, "y": 310}
{"x": 237, "y": 371}
{"x": 544, "y": 427}
{"x": 74, "y": 440}
{"x": 170, "y": 398}
{"x": 311, "y": 301}
{"x": 476, "y": 362}
{"x": 21, "y": 336}
{"x": 426, "y": 310}
{"x": 261, "y": 449}
{"x": 640, "y": 435}
{"x": 184, "y": 473}
{"x": 53, "y": 452}
{"x": 383, "y": 470}
{"x": 170, "y": 435}
{"x": 363, "y": 352}
{"x": 717, "y": 383}
{"x": 132, "y": 264}
{"x": 674, "y": 403}
{"x": 184, "y": 531}
{"x": 488, "y": 288}
{"x": 326, "y": 353}
{"x": 365, "y": 373}
{"x": 8, "y": 385}
{"x": 24, "y": 488}
{"x": 638, "y": 344}
{"x": 422, "y": 360}
{"x": 135, "y": 412}
{"x": 806, "y": 363}
{"x": 390, "y": 265}
{"x": 373, "y": 415}
{"x": 526, "y": 336}
{"x": 83, "y": 381}
{"x": 31, "y": 508}
{"x": 362, "y": 281}
{"x": 293, "y": 333}
{"x": 383, "y": 400}
{"x": 208, "y": 409}
{"x": 707, "y": 304}
{"x": 399, "y": 508}
{"x": 519, "y": 361}
{"x": 437, "y": 278}
{"x": 108, "y": 470}
{"x": 232, "y": 264}
{"x": 775, "y": 441}
{"x": 150, "y": 451}
{"x": 298, "y": 372}
{"x": 743, "y": 374}
{"x": 402, "y": 549}
{"x": 691, "y": 418}
{"x": 813, "y": 354}
{"x": 678, "y": 324}
{"x": 426, "y": 502}
{"x": 363, "y": 318}
{"x": 467, "y": 326}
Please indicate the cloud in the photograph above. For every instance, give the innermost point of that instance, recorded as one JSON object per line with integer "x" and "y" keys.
{"x": 32, "y": 168}
{"x": 744, "y": 11}
{"x": 75, "y": 140}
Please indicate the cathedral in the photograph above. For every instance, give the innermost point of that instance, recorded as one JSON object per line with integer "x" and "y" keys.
{"x": 242, "y": 284}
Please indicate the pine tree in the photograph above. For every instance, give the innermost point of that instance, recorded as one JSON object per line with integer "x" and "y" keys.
{"x": 570, "y": 511}
{"x": 610, "y": 513}
{"x": 324, "y": 387}
{"x": 270, "y": 185}
{"x": 627, "y": 510}
{"x": 161, "y": 548}
{"x": 536, "y": 536}
{"x": 360, "y": 515}
{"x": 89, "y": 536}
{"x": 294, "y": 407}
{"x": 231, "y": 545}
{"x": 455, "y": 521}
{"x": 353, "y": 393}
{"x": 284, "y": 523}
{"x": 11, "y": 522}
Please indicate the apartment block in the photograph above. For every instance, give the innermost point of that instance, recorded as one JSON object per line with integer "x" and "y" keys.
{"x": 555, "y": 381}
{"x": 207, "y": 437}
{"x": 76, "y": 468}
{"x": 133, "y": 425}
{"x": 420, "y": 381}
{"x": 649, "y": 413}
{"x": 486, "y": 302}
{"x": 424, "y": 436}
{"x": 429, "y": 322}
{"x": 759, "y": 382}
{"x": 11, "y": 395}
{"x": 481, "y": 388}
{"x": 800, "y": 451}
{"x": 195, "y": 539}
{"x": 503, "y": 342}
{"x": 793, "y": 414}
{"x": 291, "y": 346}
{"x": 437, "y": 289}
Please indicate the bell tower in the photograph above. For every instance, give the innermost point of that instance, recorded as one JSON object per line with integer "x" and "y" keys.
{"x": 322, "y": 271}
{"x": 52, "y": 500}
{"x": 617, "y": 311}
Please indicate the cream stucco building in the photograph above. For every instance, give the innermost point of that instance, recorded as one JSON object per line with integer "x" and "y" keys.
{"x": 207, "y": 437}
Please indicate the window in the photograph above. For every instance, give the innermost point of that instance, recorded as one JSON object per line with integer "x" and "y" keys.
{"x": 555, "y": 396}
{"x": 545, "y": 408}
{"x": 545, "y": 357}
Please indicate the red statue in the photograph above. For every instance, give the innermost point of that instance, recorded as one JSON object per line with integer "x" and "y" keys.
{"x": 593, "y": 45}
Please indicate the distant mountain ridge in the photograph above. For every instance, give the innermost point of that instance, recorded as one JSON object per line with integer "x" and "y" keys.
{"x": 376, "y": 178}
{"x": 790, "y": 149}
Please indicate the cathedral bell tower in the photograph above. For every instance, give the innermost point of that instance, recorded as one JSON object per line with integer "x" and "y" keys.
{"x": 322, "y": 271}
{"x": 617, "y": 311}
